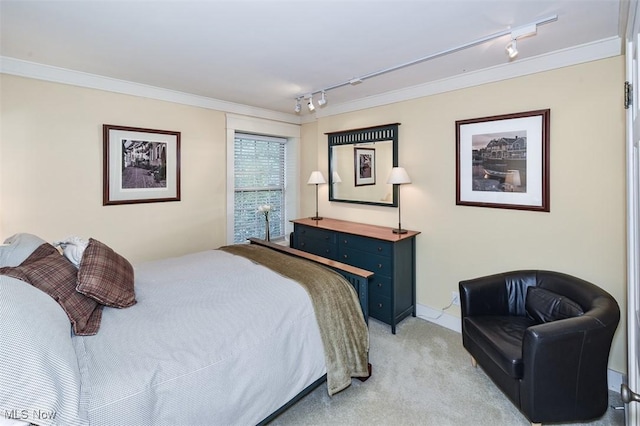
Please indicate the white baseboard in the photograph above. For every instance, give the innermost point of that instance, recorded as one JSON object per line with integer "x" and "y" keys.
{"x": 615, "y": 380}
{"x": 452, "y": 322}
{"x": 439, "y": 317}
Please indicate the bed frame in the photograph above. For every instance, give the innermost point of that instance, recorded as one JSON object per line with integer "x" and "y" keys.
{"x": 359, "y": 278}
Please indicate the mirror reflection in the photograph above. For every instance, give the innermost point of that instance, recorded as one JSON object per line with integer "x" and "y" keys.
{"x": 360, "y": 172}
{"x": 359, "y": 164}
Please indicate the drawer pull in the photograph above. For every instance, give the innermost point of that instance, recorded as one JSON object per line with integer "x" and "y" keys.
{"x": 302, "y": 244}
{"x": 379, "y": 265}
{"x": 327, "y": 251}
{"x": 346, "y": 242}
{"x": 379, "y": 305}
{"x": 379, "y": 248}
{"x": 379, "y": 285}
{"x": 345, "y": 256}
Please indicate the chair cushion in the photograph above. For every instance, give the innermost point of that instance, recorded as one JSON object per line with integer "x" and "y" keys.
{"x": 501, "y": 339}
{"x": 544, "y": 306}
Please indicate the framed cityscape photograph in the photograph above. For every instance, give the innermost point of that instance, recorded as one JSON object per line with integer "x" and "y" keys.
{"x": 140, "y": 165}
{"x": 503, "y": 161}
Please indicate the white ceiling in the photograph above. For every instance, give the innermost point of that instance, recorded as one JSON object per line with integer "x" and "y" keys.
{"x": 265, "y": 53}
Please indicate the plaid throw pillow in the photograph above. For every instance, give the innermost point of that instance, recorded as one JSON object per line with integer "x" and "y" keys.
{"x": 106, "y": 276}
{"x": 49, "y": 271}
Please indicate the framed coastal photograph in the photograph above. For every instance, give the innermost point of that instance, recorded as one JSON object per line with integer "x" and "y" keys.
{"x": 140, "y": 165}
{"x": 365, "y": 166}
{"x": 503, "y": 161}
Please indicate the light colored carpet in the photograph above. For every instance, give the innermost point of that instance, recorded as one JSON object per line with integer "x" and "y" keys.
{"x": 421, "y": 376}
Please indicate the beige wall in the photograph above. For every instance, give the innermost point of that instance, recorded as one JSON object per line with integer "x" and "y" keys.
{"x": 583, "y": 235}
{"x": 51, "y": 178}
{"x": 308, "y": 163}
{"x": 51, "y": 170}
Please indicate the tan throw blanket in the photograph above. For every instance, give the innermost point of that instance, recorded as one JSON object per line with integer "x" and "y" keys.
{"x": 344, "y": 333}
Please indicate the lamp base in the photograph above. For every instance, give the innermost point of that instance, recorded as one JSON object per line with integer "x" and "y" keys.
{"x": 319, "y": 218}
{"x": 399, "y": 231}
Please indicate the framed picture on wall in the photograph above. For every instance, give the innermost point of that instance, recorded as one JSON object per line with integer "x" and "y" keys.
{"x": 140, "y": 165}
{"x": 365, "y": 166}
{"x": 503, "y": 161}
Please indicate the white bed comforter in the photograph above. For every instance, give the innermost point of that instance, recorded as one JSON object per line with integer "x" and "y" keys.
{"x": 213, "y": 339}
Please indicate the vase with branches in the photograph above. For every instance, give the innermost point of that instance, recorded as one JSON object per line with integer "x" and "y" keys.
{"x": 265, "y": 209}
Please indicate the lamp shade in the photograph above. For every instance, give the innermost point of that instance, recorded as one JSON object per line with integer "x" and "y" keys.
{"x": 398, "y": 176}
{"x": 336, "y": 177}
{"x": 316, "y": 178}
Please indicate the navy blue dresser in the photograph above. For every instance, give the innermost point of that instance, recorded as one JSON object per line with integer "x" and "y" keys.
{"x": 391, "y": 257}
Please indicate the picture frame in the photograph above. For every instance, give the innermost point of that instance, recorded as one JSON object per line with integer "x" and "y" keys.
{"x": 364, "y": 166}
{"x": 140, "y": 165}
{"x": 502, "y": 161}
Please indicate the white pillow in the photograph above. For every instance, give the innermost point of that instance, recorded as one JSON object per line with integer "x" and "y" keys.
{"x": 73, "y": 247}
{"x": 17, "y": 248}
{"x": 39, "y": 369}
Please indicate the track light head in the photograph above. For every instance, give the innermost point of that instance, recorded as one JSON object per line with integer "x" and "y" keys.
{"x": 516, "y": 33}
{"x": 323, "y": 100}
{"x": 298, "y": 107}
{"x": 310, "y": 104}
{"x": 512, "y": 49}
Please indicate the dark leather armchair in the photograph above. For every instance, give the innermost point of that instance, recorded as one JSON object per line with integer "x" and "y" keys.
{"x": 544, "y": 338}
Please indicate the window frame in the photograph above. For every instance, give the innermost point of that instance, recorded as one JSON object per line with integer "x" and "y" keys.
{"x": 251, "y": 155}
{"x": 290, "y": 132}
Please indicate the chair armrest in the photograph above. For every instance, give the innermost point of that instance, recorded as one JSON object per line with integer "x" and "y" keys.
{"x": 565, "y": 361}
{"x": 566, "y": 341}
{"x": 484, "y": 296}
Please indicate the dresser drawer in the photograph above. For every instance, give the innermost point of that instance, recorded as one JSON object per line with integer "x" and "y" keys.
{"x": 320, "y": 247}
{"x": 380, "y": 308}
{"x": 389, "y": 294}
{"x": 380, "y": 286}
{"x": 368, "y": 245}
{"x": 305, "y": 232}
{"x": 379, "y": 265}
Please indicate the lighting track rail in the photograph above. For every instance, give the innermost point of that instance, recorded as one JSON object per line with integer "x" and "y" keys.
{"x": 515, "y": 33}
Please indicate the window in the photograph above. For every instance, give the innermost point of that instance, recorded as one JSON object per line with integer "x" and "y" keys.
{"x": 245, "y": 217}
{"x": 259, "y": 179}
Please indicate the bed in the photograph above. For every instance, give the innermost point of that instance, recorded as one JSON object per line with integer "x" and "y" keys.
{"x": 214, "y": 337}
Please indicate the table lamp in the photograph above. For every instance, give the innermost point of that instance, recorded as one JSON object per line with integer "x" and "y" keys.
{"x": 316, "y": 179}
{"x": 399, "y": 176}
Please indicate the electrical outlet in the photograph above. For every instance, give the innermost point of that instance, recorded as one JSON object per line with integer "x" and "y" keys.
{"x": 455, "y": 298}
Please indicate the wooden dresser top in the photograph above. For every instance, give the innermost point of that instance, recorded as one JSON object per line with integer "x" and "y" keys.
{"x": 356, "y": 228}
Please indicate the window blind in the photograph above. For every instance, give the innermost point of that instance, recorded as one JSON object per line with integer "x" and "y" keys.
{"x": 259, "y": 179}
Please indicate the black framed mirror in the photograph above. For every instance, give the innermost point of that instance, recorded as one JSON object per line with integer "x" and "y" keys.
{"x": 360, "y": 161}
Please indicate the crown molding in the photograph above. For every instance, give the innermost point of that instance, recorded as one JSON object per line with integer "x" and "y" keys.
{"x": 600, "y": 49}
{"x": 594, "y": 51}
{"x": 37, "y": 71}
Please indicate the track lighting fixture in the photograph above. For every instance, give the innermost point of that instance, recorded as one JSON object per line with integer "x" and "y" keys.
{"x": 511, "y": 48}
{"x": 323, "y": 100}
{"x": 520, "y": 32}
